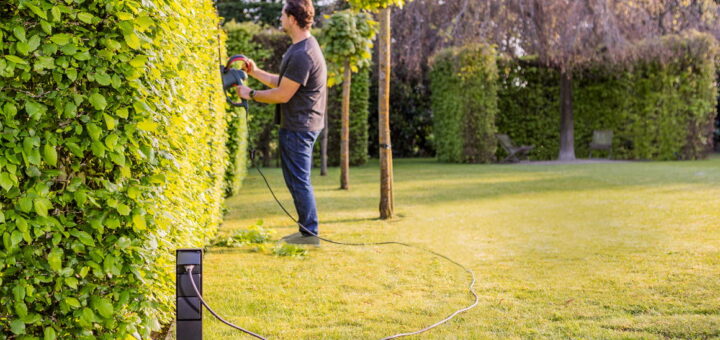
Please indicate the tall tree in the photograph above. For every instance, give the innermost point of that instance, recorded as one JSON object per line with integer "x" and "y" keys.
{"x": 347, "y": 42}
{"x": 386, "y": 173}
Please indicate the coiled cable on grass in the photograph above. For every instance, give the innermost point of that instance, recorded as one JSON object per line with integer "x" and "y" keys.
{"x": 471, "y": 287}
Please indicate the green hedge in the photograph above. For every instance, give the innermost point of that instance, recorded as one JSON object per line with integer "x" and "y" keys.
{"x": 659, "y": 107}
{"x": 359, "y": 102}
{"x": 266, "y": 47}
{"x": 112, "y": 154}
{"x": 464, "y": 103}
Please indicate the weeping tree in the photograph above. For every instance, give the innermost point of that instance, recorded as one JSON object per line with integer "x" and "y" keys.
{"x": 347, "y": 43}
{"x": 564, "y": 34}
{"x": 382, "y": 7}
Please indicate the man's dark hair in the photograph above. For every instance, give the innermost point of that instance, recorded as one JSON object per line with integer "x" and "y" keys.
{"x": 302, "y": 10}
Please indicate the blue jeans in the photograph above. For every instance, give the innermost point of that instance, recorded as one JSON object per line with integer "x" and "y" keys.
{"x": 296, "y": 149}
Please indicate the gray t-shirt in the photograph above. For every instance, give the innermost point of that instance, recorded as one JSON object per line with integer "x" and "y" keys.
{"x": 304, "y": 63}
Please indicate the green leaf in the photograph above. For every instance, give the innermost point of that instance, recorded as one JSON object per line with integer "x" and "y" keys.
{"x": 36, "y": 10}
{"x": 147, "y": 125}
{"x": 139, "y": 222}
{"x": 42, "y": 205}
{"x": 123, "y": 209}
{"x": 72, "y": 302}
{"x": 102, "y": 305}
{"x": 17, "y": 327}
{"x": 5, "y": 181}
{"x": 124, "y": 16}
{"x": 71, "y": 73}
{"x": 23, "y": 48}
{"x": 71, "y": 282}
{"x": 34, "y": 42}
{"x": 35, "y": 110}
{"x": 16, "y": 59}
{"x": 11, "y": 110}
{"x": 55, "y": 260}
{"x": 21, "y": 309}
{"x": 55, "y": 11}
{"x": 102, "y": 78}
{"x": 132, "y": 40}
{"x": 19, "y": 292}
{"x": 84, "y": 237}
{"x": 80, "y": 197}
{"x": 49, "y": 332}
{"x": 61, "y": 38}
{"x": 15, "y": 238}
{"x": 98, "y": 101}
{"x": 98, "y": 149}
{"x": 85, "y": 17}
{"x": 94, "y": 131}
{"x": 19, "y": 33}
{"x": 50, "y": 154}
{"x": 111, "y": 141}
{"x": 109, "y": 122}
{"x": 26, "y": 204}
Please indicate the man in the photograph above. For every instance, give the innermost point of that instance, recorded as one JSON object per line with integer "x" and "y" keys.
{"x": 300, "y": 92}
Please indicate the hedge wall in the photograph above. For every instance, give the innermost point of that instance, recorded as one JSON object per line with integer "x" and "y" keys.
{"x": 266, "y": 46}
{"x": 359, "y": 102}
{"x": 659, "y": 107}
{"x": 464, "y": 103}
{"x": 112, "y": 154}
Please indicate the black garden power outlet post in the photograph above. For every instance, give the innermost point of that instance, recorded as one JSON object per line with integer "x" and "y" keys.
{"x": 188, "y": 308}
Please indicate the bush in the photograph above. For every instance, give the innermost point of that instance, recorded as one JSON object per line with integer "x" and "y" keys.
{"x": 464, "y": 103}
{"x": 659, "y": 107}
{"x": 359, "y": 94}
{"x": 112, "y": 154}
{"x": 266, "y": 47}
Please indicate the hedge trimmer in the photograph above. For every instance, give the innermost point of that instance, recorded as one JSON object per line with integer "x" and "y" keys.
{"x": 232, "y": 77}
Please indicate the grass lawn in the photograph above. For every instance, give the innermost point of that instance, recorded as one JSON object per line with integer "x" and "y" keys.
{"x": 593, "y": 251}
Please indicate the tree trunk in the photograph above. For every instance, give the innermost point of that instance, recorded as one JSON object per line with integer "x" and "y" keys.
{"x": 386, "y": 170}
{"x": 567, "y": 129}
{"x": 345, "y": 132}
{"x": 323, "y": 147}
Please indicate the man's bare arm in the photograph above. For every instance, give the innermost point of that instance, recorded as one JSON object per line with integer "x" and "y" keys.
{"x": 281, "y": 94}
{"x": 270, "y": 80}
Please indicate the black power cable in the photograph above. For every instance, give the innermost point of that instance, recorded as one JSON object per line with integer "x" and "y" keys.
{"x": 471, "y": 287}
{"x": 189, "y": 269}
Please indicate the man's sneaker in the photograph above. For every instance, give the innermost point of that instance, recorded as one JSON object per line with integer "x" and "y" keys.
{"x": 299, "y": 238}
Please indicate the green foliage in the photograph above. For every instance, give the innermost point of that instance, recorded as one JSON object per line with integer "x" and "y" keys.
{"x": 291, "y": 250}
{"x": 236, "y": 145}
{"x": 464, "y": 103}
{"x": 266, "y": 12}
{"x": 346, "y": 38}
{"x": 112, "y": 154}
{"x": 660, "y": 108}
{"x": 255, "y": 234}
{"x": 529, "y": 106}
{"x": 266, "y": 47}
{"x": 359, "y": 105}
{"x": 374, "y": 5}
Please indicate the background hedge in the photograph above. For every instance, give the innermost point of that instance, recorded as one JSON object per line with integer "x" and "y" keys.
{"x": 359, "y": 103}
{"x": 266, "y": 47}
{"x": 464, "y": 103}
{"x": 112, "y": 154}
{"x": 660, "y": 107}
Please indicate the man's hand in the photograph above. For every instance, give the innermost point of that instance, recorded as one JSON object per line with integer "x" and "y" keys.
{"x": 243, "y": 91}
{"x": 249, "y": 66}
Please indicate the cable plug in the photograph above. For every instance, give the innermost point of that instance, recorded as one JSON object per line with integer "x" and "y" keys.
{"x": 189, "y": 268}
